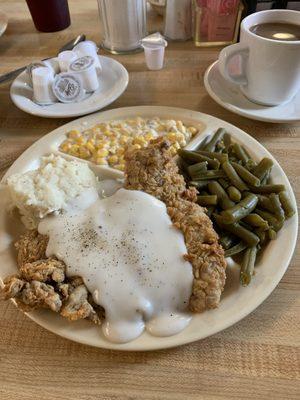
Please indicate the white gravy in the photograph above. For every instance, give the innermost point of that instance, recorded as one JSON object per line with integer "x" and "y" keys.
{"x": 130, "y": 257}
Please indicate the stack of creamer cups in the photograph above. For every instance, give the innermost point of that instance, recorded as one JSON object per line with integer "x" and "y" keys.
{"x": 67, "y": 77}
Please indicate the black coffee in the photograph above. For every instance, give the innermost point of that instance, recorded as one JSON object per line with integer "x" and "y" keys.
{"x": 277, "y": 31}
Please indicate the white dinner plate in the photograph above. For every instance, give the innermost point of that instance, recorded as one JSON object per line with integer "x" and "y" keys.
{"x": 229, "y": 96}
{"x": 3, "y": 22}
{"x": 237, "y": 302}
{"x": 113, "y": 81}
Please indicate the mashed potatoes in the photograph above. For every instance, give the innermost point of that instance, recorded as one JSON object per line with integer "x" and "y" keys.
{"x": 50, "y": 188}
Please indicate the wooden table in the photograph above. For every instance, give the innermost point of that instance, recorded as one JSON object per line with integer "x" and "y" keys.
{"x": 258, "y": 358}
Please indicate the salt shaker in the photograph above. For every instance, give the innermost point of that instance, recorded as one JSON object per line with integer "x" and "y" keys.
{"x": 178, "y": 20}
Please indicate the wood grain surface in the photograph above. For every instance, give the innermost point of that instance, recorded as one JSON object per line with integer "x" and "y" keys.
{"x": 258, "y": 358}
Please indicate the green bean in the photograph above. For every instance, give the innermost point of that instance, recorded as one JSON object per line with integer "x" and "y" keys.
{"x": 245, "y": 225}
{"x": 240, "y": 153}
{"x": 199, "y": 184}
{"x": 212, "y": 154}
{"x": 234, "y": 193}
{"x": 272, "y": 220}
{"x": 210, "y": 210}
{"x": 257, "y": 221}
{"x": 209, "y": 200}
{"x": 240, "y": 210}
{"x": 227, "y": 241}
{"x": 198, "y": 167}
{"x": 278, "y": 210}
{"x": 266, "y": 178}
{"x": 272, "y": 234}
{"x": 194, "y": 157}
{"x": 247, "y": 267}
{"x": 224, "y": 183}
{"x": 208, "y": 175}
{"x": 267, "y": 189}
{"x": 223, "y": 199}
{"x": 264, "y": 202}
{"x": 233, "y": 176}
{"x": 247, "y": 153}
{"x": 203, "y": 143}
{"x": 250, "y": 164}
{"x": 216, "y": 137}
{"x": 227, "y": 140}
{"x": 246, "y": 175}
{"x": 236, "y": 229}
{"x": 204, "y": 193}
{"x": 238, "y": 248}
{"x": 262, "y": 168}
{"x": 286, "y": 204}
{"x": 220, "y": 146}
{"x": 262, "y": 236}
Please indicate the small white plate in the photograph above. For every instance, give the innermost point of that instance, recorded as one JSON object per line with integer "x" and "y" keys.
{"x": 237, "y": 302}
{"x": 113, "y": 81}
{"x": 229, "y": 96}
{"x": 3, "y": 22}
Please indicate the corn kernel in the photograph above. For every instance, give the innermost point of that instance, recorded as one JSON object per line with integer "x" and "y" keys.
{"x": 139, "y": 140}
{"x": 121, "y": 167}
{"x": 179, "y": 125}
{"x": 113, "y": 159}
{"x": 102, "y": 126}
{"x": 192, "y": 130}
{"x": 65, "y": 146}
{"x": 101, "y": 161}
{"x": 135, "y": 147}
{"x": 180, "y": 136}
{"x": 161, "y": 128}
{"x": 102, "y": 153}
{"x": 149, "y": 136}
{"x": 113, "y": 142}
{"x": 80, "y": 140}
{"x": 74, "y": 148}
{"x": 99, "y": 145}
{"x": 74, "y": 134}
{"x": 112, "y": 150}
{"x": 84, "y": 153}
{"x": 172, "y": 136}
{"x": 120, "y": 151}
{"x": 90, "y": 146}
{"x": 124, "y": 139}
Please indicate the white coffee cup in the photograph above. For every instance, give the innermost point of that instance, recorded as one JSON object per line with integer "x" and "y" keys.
{"x": 270, "y": 69}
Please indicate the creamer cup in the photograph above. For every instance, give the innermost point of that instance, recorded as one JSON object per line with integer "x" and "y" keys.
{"x": 85, "y": 67}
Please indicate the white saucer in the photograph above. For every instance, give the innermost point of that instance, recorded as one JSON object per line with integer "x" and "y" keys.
{"x": 230, "y": 97}
{"x": 113, "y": 81}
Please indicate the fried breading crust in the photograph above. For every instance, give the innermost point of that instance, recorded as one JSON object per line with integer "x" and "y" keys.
{"x": 31, "y": 247}
{"x": 41, "y": 283}
{"x": 154, "y": 171}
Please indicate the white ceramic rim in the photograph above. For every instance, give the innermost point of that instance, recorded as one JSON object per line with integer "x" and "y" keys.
{"x": 237, "y": 110}
{"x": 64, "y": 328}
{"x": 4, "y": 19}
{"x": 269, "y": 12}
{"x": 64, "y": 113}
